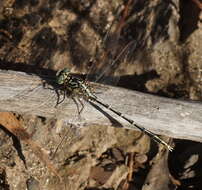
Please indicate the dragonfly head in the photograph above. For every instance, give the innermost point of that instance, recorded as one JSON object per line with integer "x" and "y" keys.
{"x": 62, "y": 75}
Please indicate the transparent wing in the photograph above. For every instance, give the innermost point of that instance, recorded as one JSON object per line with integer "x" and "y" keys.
{"x": 111, "y": 53}
{"x": 68, "y": 131}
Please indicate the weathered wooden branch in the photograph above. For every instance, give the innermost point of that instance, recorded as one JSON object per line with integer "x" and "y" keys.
{"x": 26, "y": 94}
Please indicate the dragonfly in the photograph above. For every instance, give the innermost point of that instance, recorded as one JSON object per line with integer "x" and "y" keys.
{"x": 79, "y": 87}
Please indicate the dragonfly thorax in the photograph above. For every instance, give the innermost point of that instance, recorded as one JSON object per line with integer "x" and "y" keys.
{"x": 74, "y": 84}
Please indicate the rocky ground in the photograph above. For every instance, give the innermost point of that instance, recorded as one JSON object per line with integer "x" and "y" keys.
{"x": 156, "y": 44}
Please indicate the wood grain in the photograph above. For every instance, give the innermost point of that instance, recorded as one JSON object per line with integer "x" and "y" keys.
{"x": 26, "y": 94}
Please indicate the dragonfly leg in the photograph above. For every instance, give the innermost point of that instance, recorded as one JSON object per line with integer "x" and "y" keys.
{"x": 82, "y": 106}
{"x": 58, "y": 97}
{"x": 77, "y": 105}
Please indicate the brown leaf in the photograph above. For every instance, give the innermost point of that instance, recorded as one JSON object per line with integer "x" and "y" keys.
{"x": 9, "y": 121}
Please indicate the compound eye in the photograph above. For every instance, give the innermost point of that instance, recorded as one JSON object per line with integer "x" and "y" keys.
{"x": 66, "y": 70}
{"x": 62, "y": 71}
